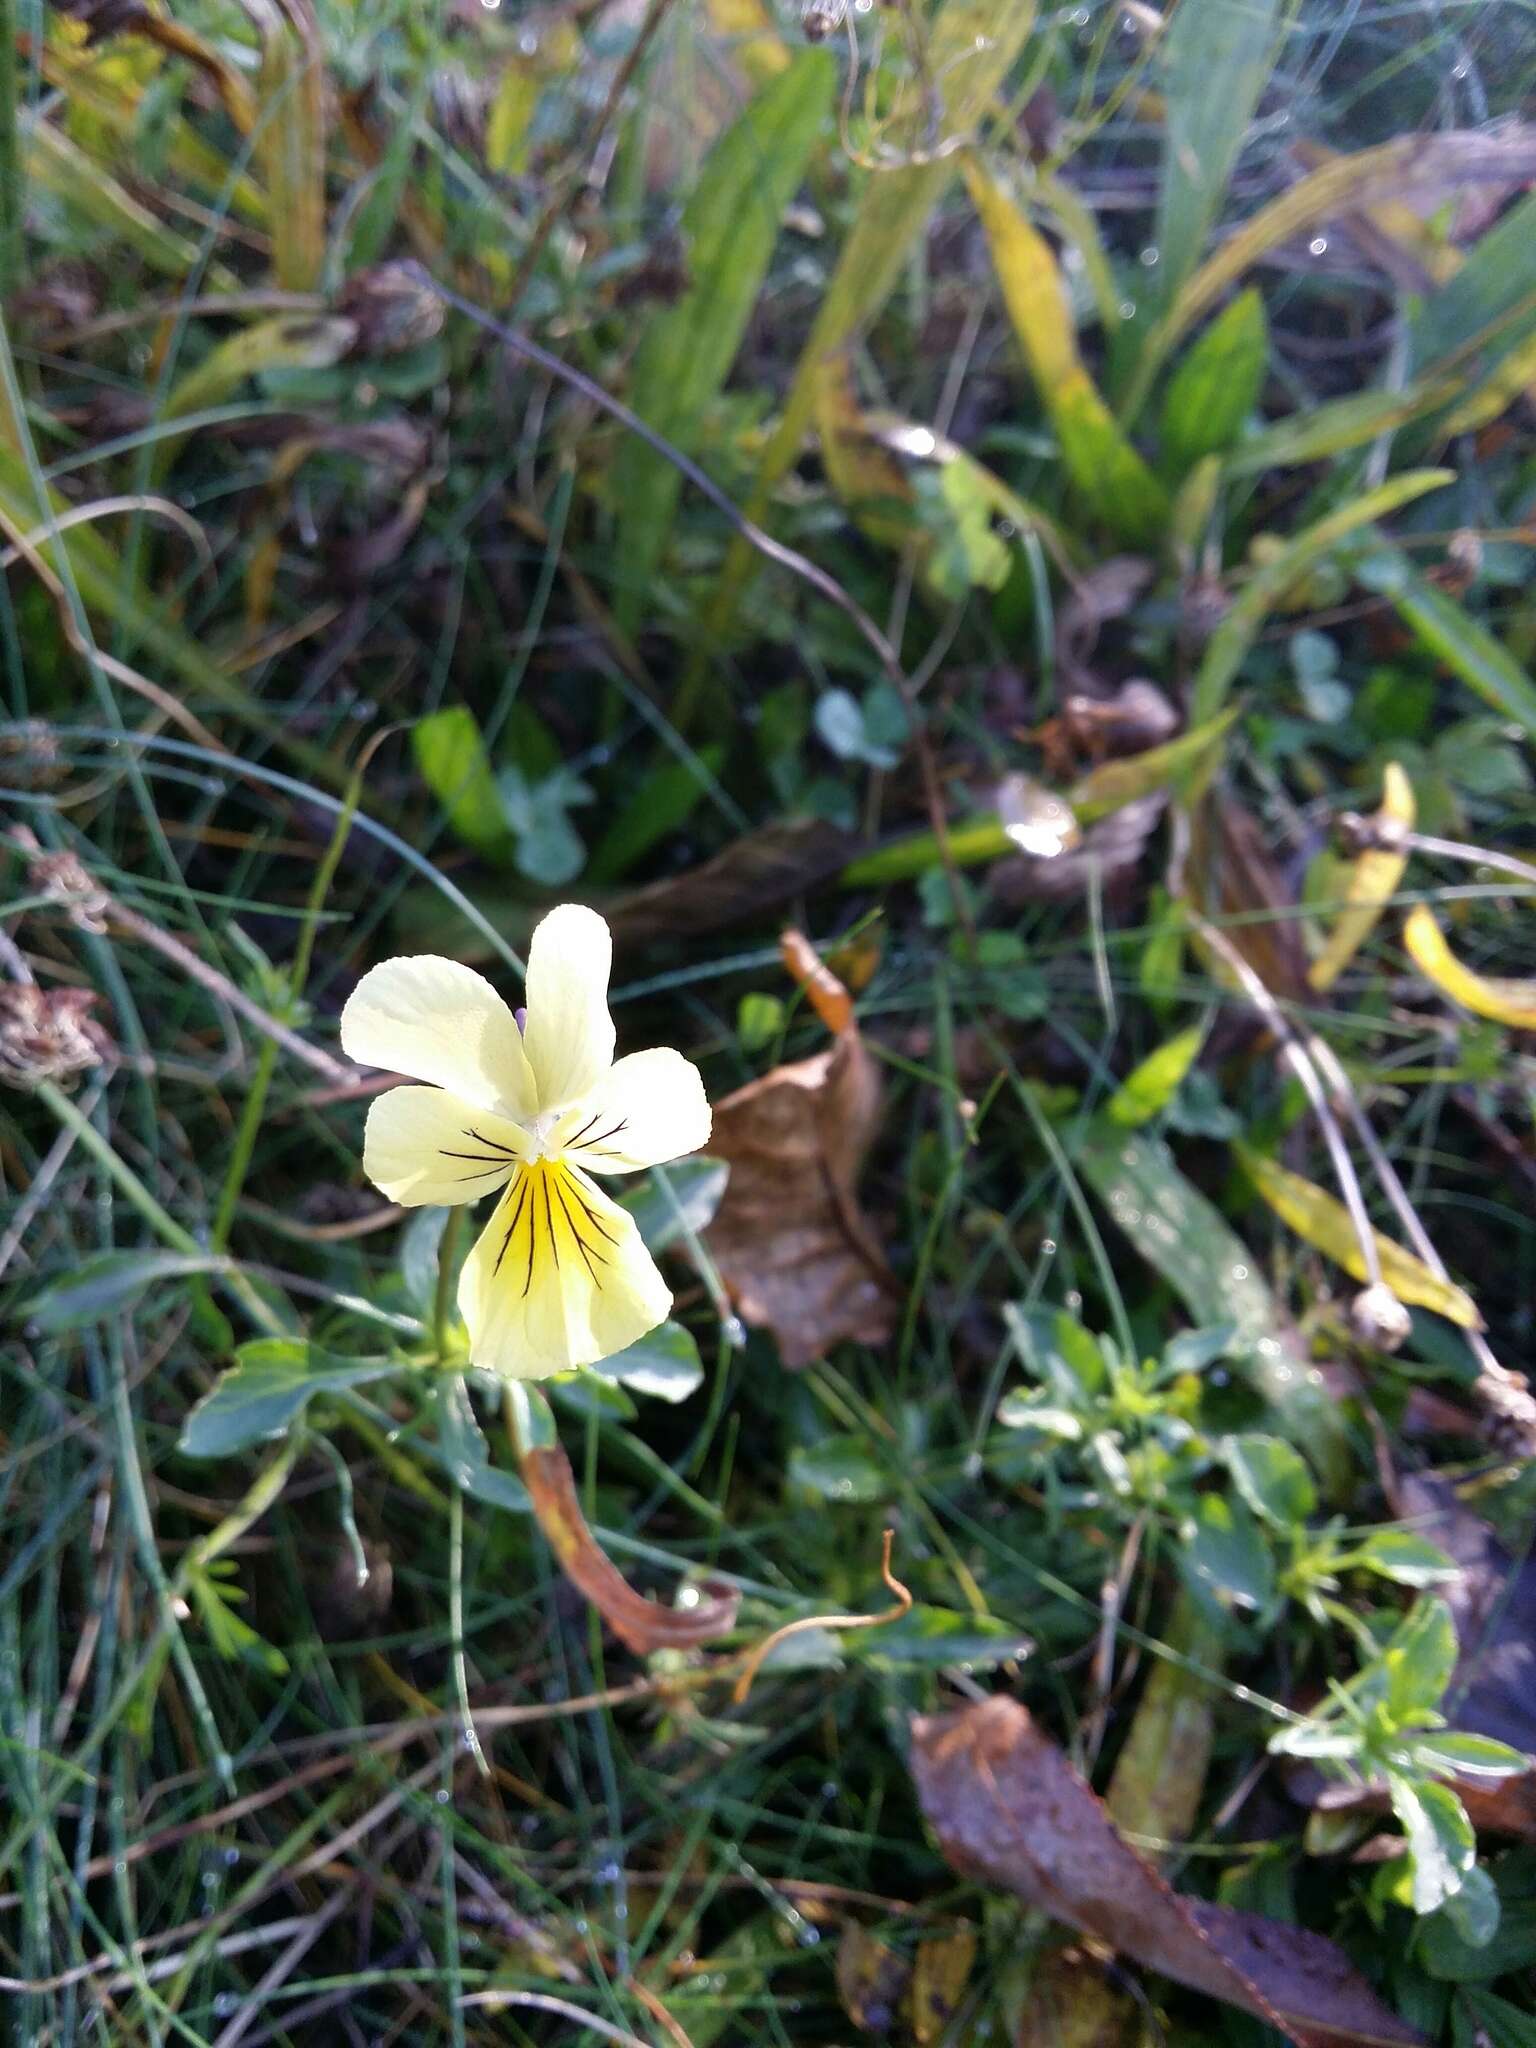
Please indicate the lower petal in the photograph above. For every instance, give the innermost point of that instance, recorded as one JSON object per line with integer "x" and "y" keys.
{"x": 560, "y": 1277}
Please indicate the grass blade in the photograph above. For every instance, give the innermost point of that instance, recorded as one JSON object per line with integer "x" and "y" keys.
{"x": 1107, "y": 470}
{"x": 730, "y": 225}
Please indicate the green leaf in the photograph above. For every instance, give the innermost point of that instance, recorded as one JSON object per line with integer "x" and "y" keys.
{"x": 1329, "y": 429}
{"x": 1186, "y": 1239}
{"x": 1152, "y": 1085}
{"x": 1216, "y": 385}
{"x": 1448, "y": 631}
{"x": 730, "y": 225}
{"x": 1214, "y": 59}
{"x": 663, "y": 1363}
{"x": 838, "y": 1469}
{"x": 457, "y": 769}
{"x": 1224, "y": 1552}
{"x": 1403, "y": 1557}
{"x": 420, "y": 1242}
{"x": 1448, "y": 1954}
{"x": 460, "y": 1449}
{"x": 662, "y": 805}
{"x": 926, "y": 1637}
{"x": 1470, "y": 1756}
{"x": 1441, "y": 1845}
{"x": 1499, "y": 2024}
{"x": 549, "y": 849}
{"x": 1491, "y": 298}
{"x": 107, "y": 1284}
{"x": 1419, "y": 1661}
{"x": 264, "y": 1394}
{"x": 1271, "y": 1477}
{"x": 230, "y": 1636}
{"x": 1228, "y": 647}
{"x": 685, "y": 1201}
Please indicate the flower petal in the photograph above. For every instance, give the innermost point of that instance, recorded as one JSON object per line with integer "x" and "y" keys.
{"x": 649, "y": 1107}
{"x": 439, "y": 1021}
{"x": 425, "y": 1145}
{"x": 569, "y": 1036}
{"x": 560, "y": 1277}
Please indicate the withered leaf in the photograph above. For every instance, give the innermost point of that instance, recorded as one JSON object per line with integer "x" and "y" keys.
{"x": 640, "y": 1624}
{"x": 941, "y": 1969}
{"x": 794, "y": 1248}
{"x": 1232, "y": 878}
{"x": 756, "y": 872}
{"x": 1008, "y": 1808}
{"x": 871, "y": 1979}
{"x": 1073, "y": 2004}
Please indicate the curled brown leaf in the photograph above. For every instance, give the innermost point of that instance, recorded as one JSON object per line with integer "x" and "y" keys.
{"x": 1008, "y": 1808}
{"x": 640, "y": 1624}
{"x": 792, "y": 1244}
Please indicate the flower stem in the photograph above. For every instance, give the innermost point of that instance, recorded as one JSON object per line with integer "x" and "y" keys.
{"x": 447, "y": 1245}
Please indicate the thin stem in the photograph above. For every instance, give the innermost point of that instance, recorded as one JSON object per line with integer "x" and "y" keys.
{"x": 13, "y": 197}
{"x": 456, "y": 1625}
{"x": 1298, "y": 1057}
{"x": 447, "y": 1245}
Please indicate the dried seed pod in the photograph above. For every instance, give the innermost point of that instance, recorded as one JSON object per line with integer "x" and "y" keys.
{"x": 47, "y": 1034}
{"x": 393, "y": 306}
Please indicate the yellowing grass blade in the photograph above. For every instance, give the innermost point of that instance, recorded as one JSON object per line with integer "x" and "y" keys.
{"x": 1505, "y": 1001}
{"x": 1106, "y": 468}
{"x": 1318, "y": 1219}
{"x": 971, "y": 47}
{"x": 291, "y": 145}
{"x": 1373, "y": 877}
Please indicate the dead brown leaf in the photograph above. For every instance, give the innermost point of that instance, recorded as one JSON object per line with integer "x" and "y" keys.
{"x": 872, "y": 1980}
{"x": 1073, "y": 2004}
{"x": 793, "y": 1246}
{"x": 1232, "y": 877}
{"x": 756, "y": 872}
{"x": 1008, "y": 1808}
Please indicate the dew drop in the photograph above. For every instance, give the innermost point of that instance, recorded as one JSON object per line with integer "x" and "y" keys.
{"x": 1148, "y": 257}
{"x": 1127, "y": 309}
{"x": 734, "y": 1331}
{"x": 1047, "y": 1247}
{"x": 1318, "y": 245}
{"x": 442, "y": 1795}
{"x": 1239, "y": 1272}
{"x": 809, "y": 1936}
{"x": 225, "y": 2005}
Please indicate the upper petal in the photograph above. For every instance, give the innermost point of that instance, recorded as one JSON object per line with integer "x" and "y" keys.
{"x": 439, "y": 1021}
{"x": 649, "y": 1107}
{"x": 425, "y": 1145}
{"x": 569, "y": 1035}
{"x": 560, "y": 1277}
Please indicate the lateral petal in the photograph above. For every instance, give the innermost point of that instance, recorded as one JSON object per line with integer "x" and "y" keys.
{"x": 439, "y": 1021}
{"x": 649, "y": 1107}
{"x": 425, "y": 1145}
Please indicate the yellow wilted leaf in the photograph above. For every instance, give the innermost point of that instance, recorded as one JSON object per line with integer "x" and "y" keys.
{"x": 1110, "y": 473}
{"x": 866, "y": 476}
{"x": 1373, "y": 877}
{"x": 941, "y": 1970}
{"x": 1506, "y": 1001}
{"x": 1319, "y": 1219}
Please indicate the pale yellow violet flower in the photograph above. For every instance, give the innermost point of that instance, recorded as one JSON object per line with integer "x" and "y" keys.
{"x": 560, "y": 1276}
